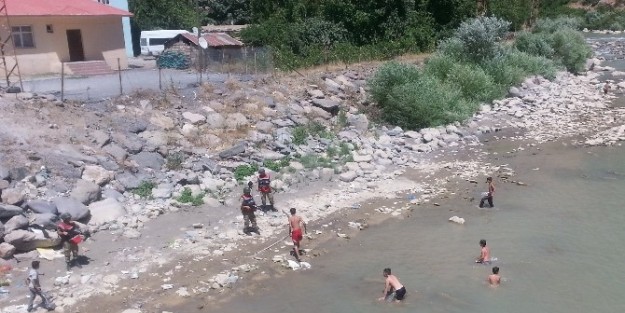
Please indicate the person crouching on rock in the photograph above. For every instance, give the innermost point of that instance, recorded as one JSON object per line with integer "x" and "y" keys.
{"x": 248, "y": 206}
{"x": 264, "y": 187}
{"x": 70, "y": 237}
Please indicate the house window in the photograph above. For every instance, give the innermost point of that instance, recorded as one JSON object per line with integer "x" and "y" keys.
{"x": 23, "y": 36}
{"x": 49, "y": 28}
{"x": 104, "y": 1}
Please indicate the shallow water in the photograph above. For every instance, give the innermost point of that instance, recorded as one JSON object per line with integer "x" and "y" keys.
{"x": 558, "y": 242}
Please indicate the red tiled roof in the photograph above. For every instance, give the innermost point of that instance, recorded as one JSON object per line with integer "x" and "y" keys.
{"x": 61, "y": 8}
{"x": 213, "y": 39}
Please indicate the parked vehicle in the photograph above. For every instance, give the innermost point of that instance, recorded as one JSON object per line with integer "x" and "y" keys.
{"x": 152, "y": 41}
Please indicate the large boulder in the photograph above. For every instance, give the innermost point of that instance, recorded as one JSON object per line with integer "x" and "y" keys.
{"x": 4, "y": 173}
{"x": 234, "y": 150}
{"x": 236, "y": 120}
{"x": 14, "y": 223}
{"x": 128, "y": 180}
{"x": 97, "y": 174}
{"x": 42, "y": 206}
{"x": 13, "y": 196}
{"x": 215, "y": 121}
{"x": 151, "y": 160}
{"x": 85, "y": 192}
{"x": 75, "y": 208}
{"x": 7, "y": 210}
{"x": 44, "y": 220}
{"x": 327, "y": 105}
{"x": 117, "y": 152}
{"x": 131, "y": 142}
{"x": 194, "y": 118}
{"x": 105, "y": 211}
{"x": 24, "y": 240}
{"x": 6, "y": 250}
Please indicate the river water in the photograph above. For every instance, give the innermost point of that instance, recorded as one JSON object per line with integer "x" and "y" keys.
{"x": 558, "y": 242}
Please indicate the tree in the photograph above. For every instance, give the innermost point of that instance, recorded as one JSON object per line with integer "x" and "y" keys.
{"x": 164, "y": 14}
{"x": 221, "y": 12}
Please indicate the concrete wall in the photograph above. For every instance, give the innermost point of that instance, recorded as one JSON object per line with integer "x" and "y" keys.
{"x": 103, "y": 39}
{"x": 123, "y": 4}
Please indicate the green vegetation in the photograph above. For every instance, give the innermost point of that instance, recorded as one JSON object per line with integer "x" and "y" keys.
{"x": 174, "y": 161}
{"x": 243, "y": 171}
{"x": 475, "y": 65}
{"x": 276, "y": 166}
{"x": 145, "y": 189}
{"x": 187, "y": 197}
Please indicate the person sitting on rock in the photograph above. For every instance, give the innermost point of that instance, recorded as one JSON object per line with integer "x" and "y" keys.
{"x": 70, "y": 235}
{"x": 248, "y": 206}
{"x": 264, "y": 187}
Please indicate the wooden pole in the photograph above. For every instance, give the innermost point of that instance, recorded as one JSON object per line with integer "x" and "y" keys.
{"x": 119, "y": 70}
{"x": 62, "y": 81}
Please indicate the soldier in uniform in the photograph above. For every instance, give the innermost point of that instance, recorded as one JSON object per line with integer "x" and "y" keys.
{"x": 264, "y": 187}
{"x": 248, "y": 206}
{"x": 70, "y": 236}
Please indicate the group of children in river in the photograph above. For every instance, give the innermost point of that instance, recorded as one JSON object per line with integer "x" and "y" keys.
{"x": 393, "y": 288}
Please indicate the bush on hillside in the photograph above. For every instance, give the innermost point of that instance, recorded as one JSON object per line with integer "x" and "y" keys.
{"x": 535, "y": 44}
{"x": 531, "y": 64}
{"x": 473, "y": 82}
{"x": 440, "y": 66}
{"x": 481, "y": 38}
{"x": 425, "y": 102}
{"x": 389, "y": 76}
{"x": 548, "y": 25}
{"x": 571, "y": 49}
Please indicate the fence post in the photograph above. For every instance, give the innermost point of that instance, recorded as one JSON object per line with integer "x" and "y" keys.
{"x": 119, "y": 70}
{"x": 62, "y": 81}
{"x": 160, "y": 79}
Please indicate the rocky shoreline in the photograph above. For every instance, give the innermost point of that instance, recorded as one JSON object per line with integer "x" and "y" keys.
{"x": 199, "y": 141}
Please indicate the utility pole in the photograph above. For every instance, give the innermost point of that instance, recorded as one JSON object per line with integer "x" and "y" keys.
{"x": 8, "y": 62}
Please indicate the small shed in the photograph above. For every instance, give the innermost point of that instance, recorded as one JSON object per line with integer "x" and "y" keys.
{"x": 222, "y": 48}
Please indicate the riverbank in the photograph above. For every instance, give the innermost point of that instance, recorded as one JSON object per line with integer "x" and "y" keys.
{"x": 416, "y": 167}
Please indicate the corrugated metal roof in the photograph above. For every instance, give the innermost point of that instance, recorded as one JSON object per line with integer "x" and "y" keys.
{"x": 61, "y": 8}
{"x": 213, "y": 39}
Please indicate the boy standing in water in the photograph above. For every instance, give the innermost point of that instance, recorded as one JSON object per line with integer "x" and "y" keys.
{"x": 494, "y": 279}
{"x": 392, "y": 284}
{"x": 484, "y": 257}
{"x": 295, "y": 230}
{"x": 489, "y": 195}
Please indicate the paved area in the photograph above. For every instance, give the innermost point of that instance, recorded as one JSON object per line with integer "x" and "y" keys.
{"x": 96, "y": 88}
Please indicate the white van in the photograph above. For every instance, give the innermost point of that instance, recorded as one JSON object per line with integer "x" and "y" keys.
{"x": 152, "y": 41}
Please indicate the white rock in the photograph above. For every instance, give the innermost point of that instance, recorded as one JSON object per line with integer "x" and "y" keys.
{"x": 457, "y": 220}
{"x": 361, "y": 158}
{"x": 97, "y": 174}
{"x": 182, "y": 291}
{"x": 105, "y": 211}
{"x": 348, "y": 176}
{"x": 194, "y": 118}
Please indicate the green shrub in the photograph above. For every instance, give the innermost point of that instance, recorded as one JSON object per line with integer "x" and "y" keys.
{"x": 440, "y": 66}
{"x": 535, "y": 44}
{"x": 453, "y": 48}
{"x": 300, "y": 134}
{"x": 145, "y": 189}
{"x": 344, "y": 149}
{"x": 571, "y": 49}
{"x": 549, "y": 25}
{"x": 474, "y": 83}
{"x": 331, "y": 152}
{"x": 313, "y": 160}
{"x": 504, "y": 74}
{"x": 481, "y": 37}
{"x": 243, "y": 171}
{"x": 532, "y": 65}
{"x": 276, "y": 166}
{"x": 387, "y": 77}
{"x": 174, "y": 161}
{"x": 423, "y": 103}
{"x": 187, "y": 197}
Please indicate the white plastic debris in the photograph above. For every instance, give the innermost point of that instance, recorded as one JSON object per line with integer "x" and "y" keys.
{"x": 457, "y": 220}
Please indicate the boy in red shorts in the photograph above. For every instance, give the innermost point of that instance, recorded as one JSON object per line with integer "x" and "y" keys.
{"x": 295, "y": 229}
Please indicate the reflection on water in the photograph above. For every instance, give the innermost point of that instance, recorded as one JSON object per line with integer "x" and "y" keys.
{"x": 558, "y": 242}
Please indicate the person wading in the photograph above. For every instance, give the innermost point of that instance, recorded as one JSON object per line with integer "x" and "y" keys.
{"x": 489, "y": 196}
{"x": 248, "y": 206}
{"x": 264, "y": 187}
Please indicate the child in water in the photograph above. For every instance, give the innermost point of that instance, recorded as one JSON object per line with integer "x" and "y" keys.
{"x": 494, "y": 279}
{"x": 484, "y": 257}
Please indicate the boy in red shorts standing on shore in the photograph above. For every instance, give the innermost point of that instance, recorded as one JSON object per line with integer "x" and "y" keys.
{"x": 295, "y": 229}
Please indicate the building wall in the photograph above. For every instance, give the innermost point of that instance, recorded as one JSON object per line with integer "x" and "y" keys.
{"x": 123, "y": 4}
{"x": 103, "y": 39}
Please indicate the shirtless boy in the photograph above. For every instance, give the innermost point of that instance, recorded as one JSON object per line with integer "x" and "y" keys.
{"x": 484, "y": 257}
{"x": 392, "y": 284}
{"x": 295, "y": 229}
{"x": 494, "y": 279}
{"x": 489, "y": 196}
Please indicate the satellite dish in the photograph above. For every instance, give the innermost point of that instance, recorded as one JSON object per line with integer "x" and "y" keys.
{"x": 203, "y": 43}
{"x": 194, "y": 30}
